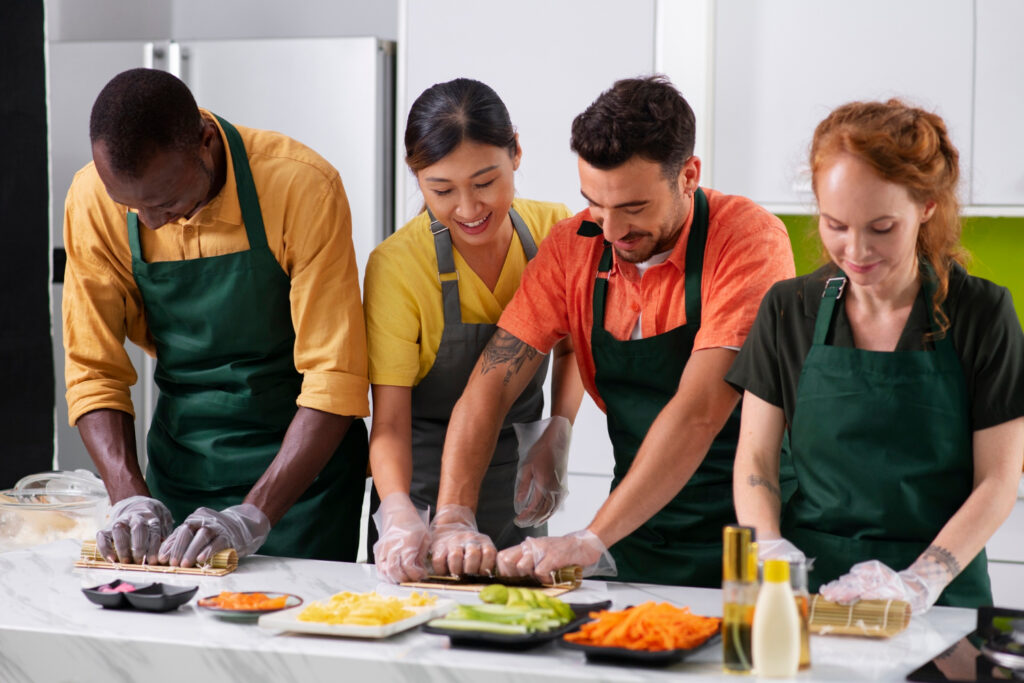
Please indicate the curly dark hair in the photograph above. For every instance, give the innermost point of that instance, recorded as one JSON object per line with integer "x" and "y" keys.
{"x": 142, "y": 111}
{"x": 645, "y": 117}
{"x": 445, "y": 114}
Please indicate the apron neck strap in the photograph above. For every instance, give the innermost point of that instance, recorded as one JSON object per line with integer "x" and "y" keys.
{"x": 446, "y": 273}
{"x": 133, "y": 235}
{"x": 835, "y": 286}
{"x": 248, "y": 200}
{"x": 695, "y": 243}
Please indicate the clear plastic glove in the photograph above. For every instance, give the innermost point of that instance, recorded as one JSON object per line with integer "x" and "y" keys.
{"x": 134, "y": 531}
{"x": 206, "y": 532}
{"x": 542, "y": 557}
{"x": 457, "y": 547}
{"x": 403, "y": 539}
{"x": 778, "y": 549}
{"x": 540, "y": 477}
{"x": 873, "y": 580}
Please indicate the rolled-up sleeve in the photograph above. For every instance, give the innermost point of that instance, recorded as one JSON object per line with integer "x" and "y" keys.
{"x": 330, "y": 333}
{"x": 98, "y": 307}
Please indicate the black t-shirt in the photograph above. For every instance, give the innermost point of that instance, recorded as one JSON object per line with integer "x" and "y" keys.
{"x": 984, "y": 328}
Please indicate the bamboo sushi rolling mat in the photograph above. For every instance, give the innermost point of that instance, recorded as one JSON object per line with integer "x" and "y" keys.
{"x": 224, "y": 562}
{"x": 873, "y": 618}
{"x": 563, "y": 581}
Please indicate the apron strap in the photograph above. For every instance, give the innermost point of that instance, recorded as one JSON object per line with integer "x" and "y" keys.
{"x": 248, "y": 200}
{"x": 835, "y": 286}
{"x": 525, "y": 237}
{"x": 446, "y": 273}
{"x": 826, "y": 311}
{"x": 695, "y": 243}
{"x": 133, "y": 235}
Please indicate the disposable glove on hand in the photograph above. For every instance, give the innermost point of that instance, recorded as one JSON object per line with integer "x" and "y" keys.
{"x": 206, "y": 532}
{"x": 778, "y": 549}
{"x": 873, "y": 580}
{"x": 542, "y": 557}
{"x": 403, "y": 539}
{"x": 540, "y": 477}
{"x": 457, "y": 547}
{"x": 134, "y": 531}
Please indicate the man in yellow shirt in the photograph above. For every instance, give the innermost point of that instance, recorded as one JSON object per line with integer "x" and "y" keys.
{"x": 243, "y": 283}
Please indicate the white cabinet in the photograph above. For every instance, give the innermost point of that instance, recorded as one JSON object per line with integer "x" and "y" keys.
{"x": 781, "y": 65}
{"x": 999, "y": 104}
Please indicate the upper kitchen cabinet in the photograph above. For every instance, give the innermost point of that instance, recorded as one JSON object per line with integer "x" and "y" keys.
{"x": 998, "y": 177}
{"x": 781, "y": 65}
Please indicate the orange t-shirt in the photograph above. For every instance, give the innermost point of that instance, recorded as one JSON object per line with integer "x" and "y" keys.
{"x": 747, "y": 251}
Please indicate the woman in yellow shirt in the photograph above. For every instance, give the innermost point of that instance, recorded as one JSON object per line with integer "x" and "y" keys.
{"x": 433, "y": 293}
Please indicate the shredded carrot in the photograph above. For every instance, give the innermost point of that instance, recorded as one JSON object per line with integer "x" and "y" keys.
{"x": 244, "y": 601}
{"x": 650, "y": 626}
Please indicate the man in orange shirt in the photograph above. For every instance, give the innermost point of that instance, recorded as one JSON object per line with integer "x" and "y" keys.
{"x": 227, "y": 253}
{"x": 657, "y": 283}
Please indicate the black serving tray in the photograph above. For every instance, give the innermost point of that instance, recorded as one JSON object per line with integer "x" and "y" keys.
{"x": 110, "y": 600}
{"x": 623, "y": 656}
{"x": 160, "y": 597}
{"x": 517, "y": 641}
{"x": 148, "y": 597}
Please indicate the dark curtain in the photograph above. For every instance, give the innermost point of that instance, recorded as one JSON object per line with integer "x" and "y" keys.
{"x": 26, "y": 361}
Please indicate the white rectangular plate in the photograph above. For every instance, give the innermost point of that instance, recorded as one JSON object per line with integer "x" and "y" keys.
{"x": 287, "y": 620}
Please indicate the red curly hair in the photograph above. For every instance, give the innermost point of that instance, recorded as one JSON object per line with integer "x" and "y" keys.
{"x": 910, "y": 147}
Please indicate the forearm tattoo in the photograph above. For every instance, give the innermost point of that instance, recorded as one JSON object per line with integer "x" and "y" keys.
{"x": 506, "y": 350}
{"x": 937, "y": 561}
{"x": 756, "y": 480}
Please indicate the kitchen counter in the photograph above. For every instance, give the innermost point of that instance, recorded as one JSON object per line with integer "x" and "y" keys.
{"x": 50, "y": 632}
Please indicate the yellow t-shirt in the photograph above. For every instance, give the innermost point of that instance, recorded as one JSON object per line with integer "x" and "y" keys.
{"x": 309, "y": 231}
{"x": 402, "y": 295}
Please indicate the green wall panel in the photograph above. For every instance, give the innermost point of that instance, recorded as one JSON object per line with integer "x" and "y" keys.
{"x": 996, "y": 246}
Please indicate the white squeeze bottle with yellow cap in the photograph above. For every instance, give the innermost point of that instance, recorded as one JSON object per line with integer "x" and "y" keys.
{"x": 776, "y": 632}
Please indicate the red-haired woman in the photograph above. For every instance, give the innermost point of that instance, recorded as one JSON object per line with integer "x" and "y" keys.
{"x": 898, "y": 376}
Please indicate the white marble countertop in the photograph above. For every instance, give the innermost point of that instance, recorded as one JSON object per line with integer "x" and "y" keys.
{"x": 50, "y": 632}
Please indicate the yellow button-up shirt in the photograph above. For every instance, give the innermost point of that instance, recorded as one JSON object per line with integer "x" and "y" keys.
{"x": 309, "y": 231}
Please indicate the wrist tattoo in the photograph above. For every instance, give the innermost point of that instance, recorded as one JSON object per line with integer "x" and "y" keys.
{"x": 938, "y": 561}
{"x": 507, "y": 350}
{"x": 756, "y": 480}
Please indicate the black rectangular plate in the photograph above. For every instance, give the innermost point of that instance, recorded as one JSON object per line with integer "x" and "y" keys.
{"x": 624, "y": 656}
{"x": 516, "y": 641}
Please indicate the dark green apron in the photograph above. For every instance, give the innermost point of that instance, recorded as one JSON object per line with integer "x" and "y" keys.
{"x": 224, "y": 347}
{"x": 881, "y": 442}
{"x": 681, "y": 544}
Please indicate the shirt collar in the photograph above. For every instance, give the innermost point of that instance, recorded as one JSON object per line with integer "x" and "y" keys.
{"x": 677, "y": 258}
{"x": 224, "y": 208}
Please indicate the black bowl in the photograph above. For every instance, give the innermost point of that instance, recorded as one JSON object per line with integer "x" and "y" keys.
{"x": 111, "y": 600}
{"x": 159, "y": 597}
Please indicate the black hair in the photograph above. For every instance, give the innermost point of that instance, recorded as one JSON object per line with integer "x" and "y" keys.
{"x": 645, "y": 117}
{"x": 142, "y": 111}
{"x": 445, "y": 114}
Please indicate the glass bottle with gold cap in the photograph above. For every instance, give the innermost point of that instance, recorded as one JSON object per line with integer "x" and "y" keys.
{"x": 739, "y": 592}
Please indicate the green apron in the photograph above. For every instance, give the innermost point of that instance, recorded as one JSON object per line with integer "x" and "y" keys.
{"x": 881, "y": 442}
{"x": 224, "y": 346}
{"x": 681, "y": 544}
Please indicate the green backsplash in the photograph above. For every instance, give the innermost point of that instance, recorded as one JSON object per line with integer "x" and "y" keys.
{"x": 996, "y": 246}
